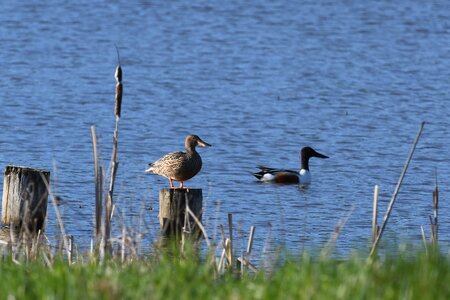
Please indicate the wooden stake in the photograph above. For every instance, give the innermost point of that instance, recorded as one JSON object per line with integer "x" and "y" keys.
{"x": 25, "y": 194}
{"x": 172, "y": 210}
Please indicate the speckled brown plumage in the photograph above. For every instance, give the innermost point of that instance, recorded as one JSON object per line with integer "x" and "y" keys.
{"x": 180, "y": 166}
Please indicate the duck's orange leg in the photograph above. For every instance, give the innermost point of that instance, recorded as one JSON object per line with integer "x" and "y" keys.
{"x": 171, "y": 183}
{"x": 181, "y": 185}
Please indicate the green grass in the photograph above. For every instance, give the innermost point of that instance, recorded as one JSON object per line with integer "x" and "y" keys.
{"x": 413, "y": 277}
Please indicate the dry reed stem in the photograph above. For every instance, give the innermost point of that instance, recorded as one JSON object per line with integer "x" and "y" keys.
{"x": 250, "y": 240}
{"x": 397, "y": 189}
{"x": 331, "y": 243}
{"x": 222, "y": 231}
{"x": 424, "y": 239}
{"x": 122, "y": 257}
{"x": 70, "y": 252}
{"x": 221, "y": 264}
{"x": 91, "y": 250}
{"x": 249, "y": 246}
{"x": 98, "y": 189}
{"x": 375, "y": 213}
{"x": 226, "y": 244}
{"x": 128, "y": 245}
{"x": 246, "y": 264}
{"x": 199, "y": 224}
{"x": 58, "y": 215}
{"x": 230, "y": 229}
{"x": 186, "y": 229}
{"x": 434, "y": 222}
{"x": 109, "y": 206}
{"x": 47, "y": 260}
{"x": 245, "y": 258}
{"x": 229, "y": 254}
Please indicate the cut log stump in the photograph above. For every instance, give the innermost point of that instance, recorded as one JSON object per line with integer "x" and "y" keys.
{"x": 173, "y": 217}
{"x": 24, "y": 203}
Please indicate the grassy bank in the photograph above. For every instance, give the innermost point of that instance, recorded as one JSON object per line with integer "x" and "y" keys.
{"x": 414, "y": 277}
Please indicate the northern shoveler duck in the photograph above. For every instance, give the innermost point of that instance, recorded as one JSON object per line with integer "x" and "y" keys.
{"x": 290, "y": 176}
{"x": 180, "y": 166}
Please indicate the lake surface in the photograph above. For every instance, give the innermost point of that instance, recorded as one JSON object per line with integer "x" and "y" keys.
{"x": 258, "y": 81}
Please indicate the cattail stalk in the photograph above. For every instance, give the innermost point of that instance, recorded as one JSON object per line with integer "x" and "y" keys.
{"x": 119, "y": 87}
{"x": 114, "y": 164}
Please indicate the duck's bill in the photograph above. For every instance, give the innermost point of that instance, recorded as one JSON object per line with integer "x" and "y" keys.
{"x": 203, "y": 144}
{"x": 320, "y": 155}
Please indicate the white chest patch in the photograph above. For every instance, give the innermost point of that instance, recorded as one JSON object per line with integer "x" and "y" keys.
{"x": 305, "y": 176}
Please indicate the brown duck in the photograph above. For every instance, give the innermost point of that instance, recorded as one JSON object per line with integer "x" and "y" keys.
{"x": 180, "y": 166}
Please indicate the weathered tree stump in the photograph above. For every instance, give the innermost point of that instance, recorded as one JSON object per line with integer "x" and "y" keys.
{"x": 173, "y": 217}
{"x": 24, "y": 203}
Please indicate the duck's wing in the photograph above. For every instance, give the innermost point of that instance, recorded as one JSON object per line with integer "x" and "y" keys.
{"x": 169, "y": 161}
{"x": 273, "y": 170}
{"x": 270, "y": 174}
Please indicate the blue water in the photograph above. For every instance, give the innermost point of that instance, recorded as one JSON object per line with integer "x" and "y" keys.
{"x": 258, "y": 81}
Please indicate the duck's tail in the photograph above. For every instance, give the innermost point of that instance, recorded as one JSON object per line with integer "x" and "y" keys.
{"x": 258, "y": 175}
{"x": 263, "y": 170}
{"x": 149, "y": 169}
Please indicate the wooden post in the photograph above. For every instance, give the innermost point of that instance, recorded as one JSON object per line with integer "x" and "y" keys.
{"x": 172, "y": 210}
{"x": 25, "y": 198}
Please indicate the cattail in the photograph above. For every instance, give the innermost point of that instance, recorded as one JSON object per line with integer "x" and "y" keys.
{"x": 119, "y": 91}
{"x": 118, "y": 74}
{"x": 119, "y": 87}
